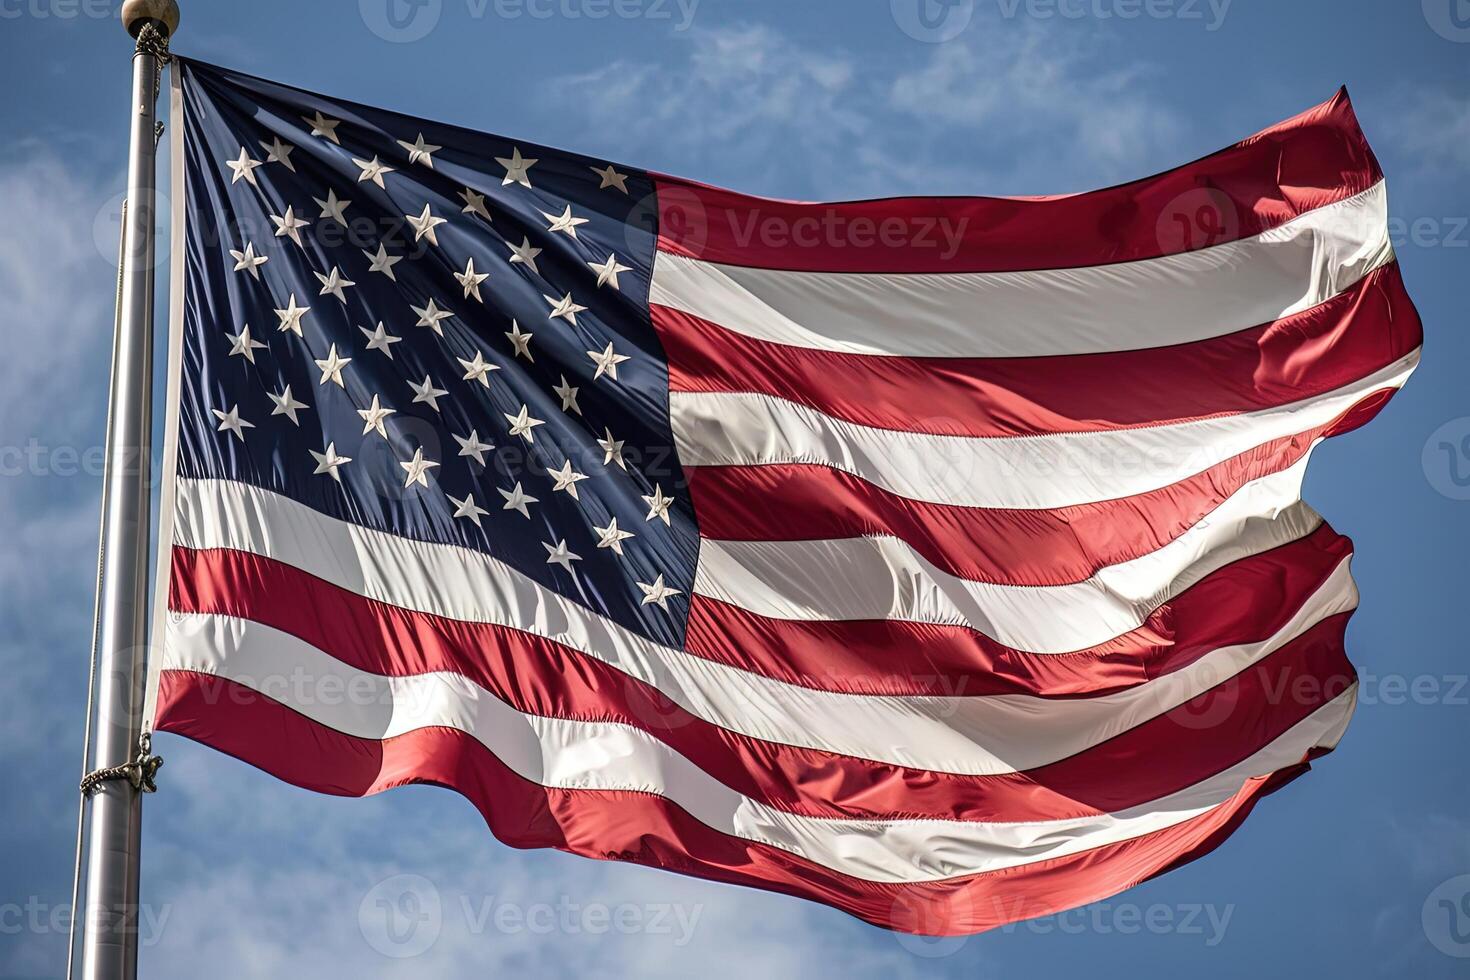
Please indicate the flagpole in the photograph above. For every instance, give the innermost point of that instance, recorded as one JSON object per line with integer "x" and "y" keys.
{"x": 112, "y": 793}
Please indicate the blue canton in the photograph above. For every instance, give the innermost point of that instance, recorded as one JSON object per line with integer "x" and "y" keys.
{"x": 436, "y": 333}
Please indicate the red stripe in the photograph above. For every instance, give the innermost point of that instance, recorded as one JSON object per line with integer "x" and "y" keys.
{"x": 983, "y": 544}
{"x": 650, "y": 830}
{"x": 1246, "y": 601}
{"x": 1361, "y": 330}
{"x": 1304, "y": 163}
{"x": 1183, "y": 746}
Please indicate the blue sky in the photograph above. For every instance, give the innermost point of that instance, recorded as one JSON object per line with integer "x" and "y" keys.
{"x": 1340, "y": 874}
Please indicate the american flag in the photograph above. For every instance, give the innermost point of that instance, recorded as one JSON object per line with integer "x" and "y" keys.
{"x": 939, "y": 559}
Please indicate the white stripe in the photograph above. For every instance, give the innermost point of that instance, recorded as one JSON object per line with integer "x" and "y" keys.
{"x": 603, "y": 756}
{"x": 1126, "y": 306}
{"x": 1031, "y": 472}
{"x": 882, "y": 577}
{"x": 972, "y": 735}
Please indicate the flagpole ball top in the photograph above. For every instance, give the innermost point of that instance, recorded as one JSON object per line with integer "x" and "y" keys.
{"x": 136, "y": 13}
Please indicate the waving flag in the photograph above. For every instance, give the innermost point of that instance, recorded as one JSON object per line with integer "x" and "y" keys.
{"x": 940, "y": 559}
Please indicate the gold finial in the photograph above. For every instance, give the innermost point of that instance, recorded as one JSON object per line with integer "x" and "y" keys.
{"x": 163, "y": 13}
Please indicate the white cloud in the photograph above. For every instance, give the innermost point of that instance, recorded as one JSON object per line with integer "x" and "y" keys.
{"x": 56, "y": 304}
{"x": 55, "y": 295}
{"x": 745, "y": 96}
{"x": 983, "y": 114}
{"x": 273, "y": 881}
{"x": 1432, "y": 129}
{"x": 1033, "y": 90}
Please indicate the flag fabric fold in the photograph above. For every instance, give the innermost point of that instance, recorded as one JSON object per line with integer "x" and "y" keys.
{"x": 939, "y": 559}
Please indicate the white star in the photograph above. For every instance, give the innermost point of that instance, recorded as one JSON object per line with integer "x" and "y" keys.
{"x": 291, "y": 316}
{"x": 372, "y": 170}
{"x": 473, "y": 203}
{"x": 331, "y": 367}
{"x": 657, "y": 593}
{"x": 515, "y": 168}
{"x": 427, "y": 393}
{"x": 611, "y": 537}
{"x": 658, "y": 505}
{"x": 471, "y": 445}
{"x": 612, "y": 450}
{"x": 333, "y": 283}
{"x": 467, "y": 508}
{"x": 430, "y": 315}
{"x": 244, "y": 345}
{"x": 564, "y": 221}
{"x": 607, "y": 362}
{"x": 417, "y": 469}
{"x": 420, "y": 152}
{"x": 524, "y": 253}
{"x": 278, "y": 152}
{"x": 566, "y": 478}
{"x": 248, "y": 261}
{"x": 373, "y": 417}
{"x": 322, "y": 126}
{"x": 232, "y": 422}
{"x": 522, "y": 424}
{"x": 286, "y": 405}
{"x": 328, "y": 461}
{"x": 380, "y": 339}
{"x": 478, "y": 369}
{"x": 608, "y": 272}
{"x": 333, "y": 207}
{"x": 568, "y": 395}
{"x": 424, "y": 225}
{"x": 520, "y": 340}
{"x": 243, "y": 167}
{"x": 560, "y": 555}
{"x": 289, "y": 226}
{"x": 517, "y": 500}
{"x": 564, "y": 308}
{"x": 470, "y": 279}
{"x": 383, "y": 262}
{"x": 611, "y": 178}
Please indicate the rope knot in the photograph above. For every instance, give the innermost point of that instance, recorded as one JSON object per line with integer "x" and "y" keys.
{"x": 153, "y": 41}
{"x": 141, "y": 772}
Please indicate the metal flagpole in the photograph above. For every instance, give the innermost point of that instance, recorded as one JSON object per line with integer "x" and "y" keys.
{"x": 122, "y": 767}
